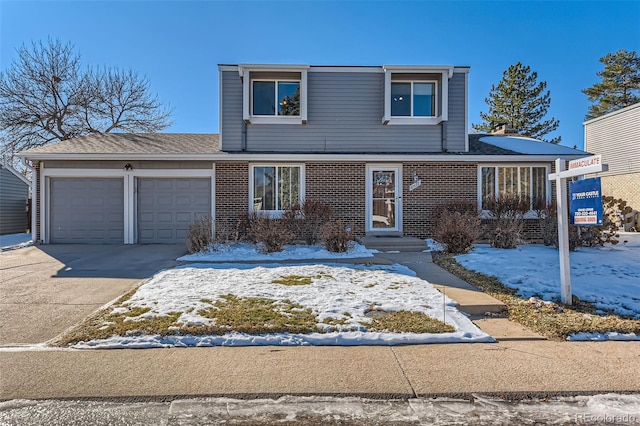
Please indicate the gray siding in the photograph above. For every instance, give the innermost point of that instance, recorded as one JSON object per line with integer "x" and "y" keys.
{"x": 344, "y": 114}
{"x": 616, "y": 137}
{"x": 14, "y": 194}
{"x": 457, "y": 125}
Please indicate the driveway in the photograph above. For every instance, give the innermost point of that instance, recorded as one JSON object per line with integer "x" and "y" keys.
{"x": 46, "y": 289}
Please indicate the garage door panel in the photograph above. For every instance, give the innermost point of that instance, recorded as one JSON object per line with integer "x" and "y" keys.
{"x": 86, "y": 210}
{"x": 167, "y": 206}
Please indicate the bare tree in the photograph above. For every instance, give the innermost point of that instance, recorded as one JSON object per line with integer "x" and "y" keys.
{"x": 46, "y": 97}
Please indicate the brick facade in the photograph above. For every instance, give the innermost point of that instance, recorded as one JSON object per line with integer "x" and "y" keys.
{"x": 232, "y": 194}
{"x": 441, "y": 183}
{"x": 626, "y": 186}
{"x": 343, "y": 186}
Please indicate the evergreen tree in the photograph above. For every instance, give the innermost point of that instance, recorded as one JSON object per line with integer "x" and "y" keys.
{"x": 520, "y": 102}
{"x": 620, "y": 85}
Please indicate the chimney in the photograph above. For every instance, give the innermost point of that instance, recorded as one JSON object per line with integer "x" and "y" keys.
{"x": 504, "y": 129}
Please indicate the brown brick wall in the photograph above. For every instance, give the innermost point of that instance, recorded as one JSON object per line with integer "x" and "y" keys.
{"x": 343, "y": 186}
{"x": 625, "y": 186}
{"x": 441, "y": 183}
{"x": 232, "y": 194}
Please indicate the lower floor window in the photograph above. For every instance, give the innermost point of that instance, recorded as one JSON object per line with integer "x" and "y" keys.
{"x": 528, "y": 181}
{"x": 275, "y": 188}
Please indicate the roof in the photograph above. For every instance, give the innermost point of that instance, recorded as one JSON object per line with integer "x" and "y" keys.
{"x": 480, "y": 144}
{"x": 609, "y": 114}
{"x": 133, "y": 143}
{"x": 192, "y": 146}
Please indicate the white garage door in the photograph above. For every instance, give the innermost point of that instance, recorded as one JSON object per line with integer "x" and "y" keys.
{"x": 166, "y": 207}
{"x": 86, "y": 210}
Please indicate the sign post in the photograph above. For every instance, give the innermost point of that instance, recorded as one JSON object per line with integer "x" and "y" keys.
{"x": 577, "y": 167}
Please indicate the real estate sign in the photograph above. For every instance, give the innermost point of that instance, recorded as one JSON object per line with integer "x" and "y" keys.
{"x": 585, "y": 202}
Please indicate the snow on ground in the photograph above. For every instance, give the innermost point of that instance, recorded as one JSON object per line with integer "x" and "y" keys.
{"x": 14, "y": 241}
{"x": 337, "y": 291}
{"x": 250, "y": 253}
{"x": 608, "y": 277}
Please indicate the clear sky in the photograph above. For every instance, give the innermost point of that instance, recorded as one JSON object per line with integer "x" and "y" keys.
{"x": 177, "y": 45}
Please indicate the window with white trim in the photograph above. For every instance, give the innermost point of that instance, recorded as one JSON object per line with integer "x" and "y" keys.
{"x": 274, "y": 94}
{"x": 275, "y": 98}
{"x": 413, "y": 99}
{"x": 530, "y": 181}
{"x": 274, "y": 188}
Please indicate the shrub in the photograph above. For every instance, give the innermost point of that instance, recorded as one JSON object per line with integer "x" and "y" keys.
{"x": 307, "y": 220}
{"x": 508, "y": 212}
{"x": 458, "y": 225}
{"x": 548, "y": 220}
{"x": 200, "y": 235}
{"x": 336, "y": 236}
{"x": 270, "y": 234}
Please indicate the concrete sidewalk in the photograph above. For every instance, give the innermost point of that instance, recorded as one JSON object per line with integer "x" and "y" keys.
{"x": 518, "y": 368}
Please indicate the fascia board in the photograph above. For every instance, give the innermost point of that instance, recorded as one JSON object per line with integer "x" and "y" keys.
{"x": 413, "y": 157}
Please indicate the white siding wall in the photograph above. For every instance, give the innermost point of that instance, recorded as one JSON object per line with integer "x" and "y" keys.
{"x": 616, "y": 136}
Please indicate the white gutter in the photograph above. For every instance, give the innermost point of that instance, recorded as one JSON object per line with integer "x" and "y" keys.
{"x": 408, "y": 157}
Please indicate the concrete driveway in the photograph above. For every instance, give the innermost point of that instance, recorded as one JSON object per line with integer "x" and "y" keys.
{"x": 46, "y": 289}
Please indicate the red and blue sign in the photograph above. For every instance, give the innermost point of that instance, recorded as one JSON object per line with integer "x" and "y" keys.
{"x": 585, "y": 202}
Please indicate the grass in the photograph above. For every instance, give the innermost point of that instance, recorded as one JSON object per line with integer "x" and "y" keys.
{"x": 555, "y": 321}
{"x": 257, "y": 315}
{"x": 290, "y": 280}
{"x": 407, "y": 322}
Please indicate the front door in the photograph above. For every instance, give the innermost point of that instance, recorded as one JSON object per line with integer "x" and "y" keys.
{"x": 383, "y": 199}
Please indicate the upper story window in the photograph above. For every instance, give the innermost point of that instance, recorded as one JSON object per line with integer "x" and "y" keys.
{"x": 413, "y": 99}
{"x": 276, "y": 98}
{"x": 416, "y": 95}
{"x": 274, "y": 94}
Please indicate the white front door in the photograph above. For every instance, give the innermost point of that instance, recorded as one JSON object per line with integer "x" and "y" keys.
{"x": 384, "y": 199}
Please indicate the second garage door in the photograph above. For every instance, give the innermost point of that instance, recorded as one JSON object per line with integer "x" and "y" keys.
{"x": 166, "y": 207}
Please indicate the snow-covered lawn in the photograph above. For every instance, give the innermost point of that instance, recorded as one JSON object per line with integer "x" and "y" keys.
{"x": 247, "y": 252}
{"x": 608, "y": 277}
{"x": 338, "y": 296}
{"x": 14, "y": 241}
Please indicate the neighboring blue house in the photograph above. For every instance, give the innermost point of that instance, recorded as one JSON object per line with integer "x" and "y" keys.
{"x": 385, "y": 145}
{"x": 14, "y": 198}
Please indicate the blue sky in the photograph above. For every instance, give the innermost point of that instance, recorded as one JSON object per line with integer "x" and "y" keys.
{"x": 177, "y": 45}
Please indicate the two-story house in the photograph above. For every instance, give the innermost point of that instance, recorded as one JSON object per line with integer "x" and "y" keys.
{"x": 385, "y": 145}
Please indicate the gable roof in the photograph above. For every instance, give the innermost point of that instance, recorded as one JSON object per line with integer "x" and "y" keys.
{"x": 133, "y": 144}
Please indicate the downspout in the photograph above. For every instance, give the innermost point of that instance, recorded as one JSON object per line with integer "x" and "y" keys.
{"x": 443, "y": 127}
{"x": 243, "y": 146}
{"x": 34, "y": 200}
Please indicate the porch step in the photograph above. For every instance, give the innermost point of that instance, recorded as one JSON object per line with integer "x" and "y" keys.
{"x": 387, "y": 244}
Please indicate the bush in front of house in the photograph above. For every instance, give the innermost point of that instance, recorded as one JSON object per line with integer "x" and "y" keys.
{"x": 336, "y": 236}
{"x": 547, "y": 215}
{"x": 458, "y": 225}
{"x": 269, "y": 234}
{"x": 200, "y": 235}
{"x": 507, "y": 212}
{"x": 614, "y": 210}
{"x": 307, "y": 219}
